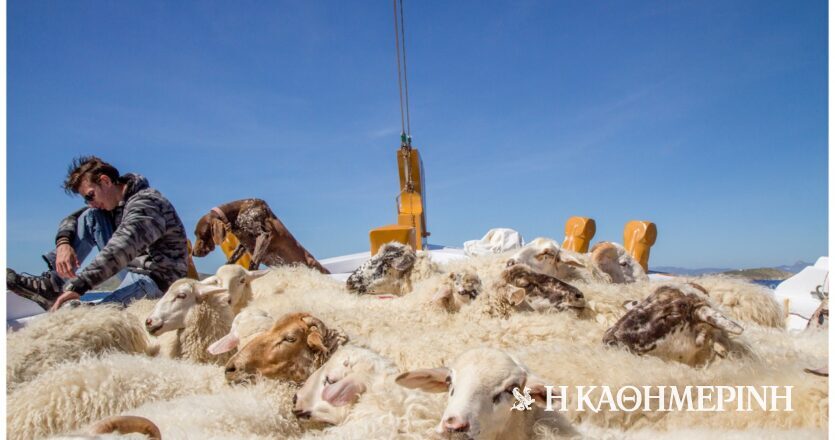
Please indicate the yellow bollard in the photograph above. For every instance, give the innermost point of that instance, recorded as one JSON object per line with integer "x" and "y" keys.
{"x": 228, "y": 246}
{"x": 578, "y": 234}
{"x": 638, "y": 237}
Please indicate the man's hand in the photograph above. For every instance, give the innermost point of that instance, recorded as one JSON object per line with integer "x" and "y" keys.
{"x": 66, "y": 296}
{"x": 66, "y": 262}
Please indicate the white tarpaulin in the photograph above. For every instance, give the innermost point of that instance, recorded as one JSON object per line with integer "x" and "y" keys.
{"x": 496, "y": 241}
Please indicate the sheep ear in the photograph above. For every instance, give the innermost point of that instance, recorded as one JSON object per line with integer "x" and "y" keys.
{"x": 709, "y": 315}
{"x": 515, "y": 295}
{"x": 212, "y": 281}
{"x": 315, "y": 340}
{"x": 539, "y": 392}
{"x": 255, "y": 274}
{"x": 218, "y": 231}
{"x": 432, "y": 380}
{"x": 570, "y": 259}
{"x": 224, "y": 344}
{"x": 204, "y": 290}
{"x": 344, "y": 392}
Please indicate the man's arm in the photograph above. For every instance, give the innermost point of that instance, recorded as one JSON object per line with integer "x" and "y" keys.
{"x": 142, "y": 224}
{"x": 67, "y": 228}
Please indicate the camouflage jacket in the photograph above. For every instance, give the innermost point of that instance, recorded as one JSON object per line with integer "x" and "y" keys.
{"x": 148, "y": 238}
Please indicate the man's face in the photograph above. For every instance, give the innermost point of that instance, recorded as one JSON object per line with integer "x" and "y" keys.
{"x": 102, "y": 195}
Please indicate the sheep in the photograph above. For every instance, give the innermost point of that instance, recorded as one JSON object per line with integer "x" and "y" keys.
{"x": 395, "y": 268}
{"x": 292, "y": 349}
{"x": 74, "y": 394}
{"x": 198, "y": 314}
{"x": 67, "y": 335}
{"x": 246, "y": 325}
{"x": 326, "y": 395}
{"x": 562, "y": 349}
{"x": 482, "y": 383}
{"x": 606, "y": 262}
{"x": 675, "y": 322}
{"x": 355, "y": 391}
{"x": 555, "y": 293}
{"x": 238, "y": 282}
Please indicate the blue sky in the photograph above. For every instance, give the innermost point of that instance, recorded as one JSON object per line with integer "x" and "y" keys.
{"x": 708, "y": 118}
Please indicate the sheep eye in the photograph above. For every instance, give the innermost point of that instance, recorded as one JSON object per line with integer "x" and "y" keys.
{"x": 497, "y": 398}
{"x": 181, "y": 296}
{"x": 328, "y": 381}
{"x": 290, "y": 339}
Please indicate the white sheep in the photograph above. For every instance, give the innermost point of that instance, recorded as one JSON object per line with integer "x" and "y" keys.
{"x": 355, "y": 392}
{"x": 67, "y": 335}
{"x": 197, "y": 314}
{"x": 238, "y": 283}
{"x": 483, "y": 384}
{"x": 326, "y": 396}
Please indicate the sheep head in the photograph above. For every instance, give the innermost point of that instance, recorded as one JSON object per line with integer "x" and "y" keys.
{"x": 480, "y": 383}
{"x": 560, "y": 295}
{"x": 171, "y": 310}
{"x": 675, "y": 323}
{"x": 383, "y": 272}
{"x": 238, "y": 281}
{"x": 613, "y": 260}
{"x": 457, "y": 290}
{"x": 328, "y": 393}
{"x": 544, "y": 255}
{"x": 292, "y": 349}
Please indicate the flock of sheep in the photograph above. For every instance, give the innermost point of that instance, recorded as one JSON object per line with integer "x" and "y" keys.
{"x": 410, "y": 348}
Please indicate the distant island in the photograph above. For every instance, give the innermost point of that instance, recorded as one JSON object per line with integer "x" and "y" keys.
{"x": 762, "y": 273}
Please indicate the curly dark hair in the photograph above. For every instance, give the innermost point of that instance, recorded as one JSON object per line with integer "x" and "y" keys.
{"x": 89, "y": 168}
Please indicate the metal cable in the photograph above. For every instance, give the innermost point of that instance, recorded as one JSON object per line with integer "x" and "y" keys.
{"x": 399, "y": 81}
{"x": 405, "y": 74}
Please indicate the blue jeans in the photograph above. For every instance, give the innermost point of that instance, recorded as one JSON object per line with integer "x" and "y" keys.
{"x": 94, "y": 230}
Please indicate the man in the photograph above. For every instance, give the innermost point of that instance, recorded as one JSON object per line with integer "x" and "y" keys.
{"x": 136, "y": 230}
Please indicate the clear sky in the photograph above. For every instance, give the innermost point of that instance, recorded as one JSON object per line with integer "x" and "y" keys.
{"x": 708, "y": 118}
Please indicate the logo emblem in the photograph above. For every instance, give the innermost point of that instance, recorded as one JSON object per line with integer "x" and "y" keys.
{"x": 523, "y": 402}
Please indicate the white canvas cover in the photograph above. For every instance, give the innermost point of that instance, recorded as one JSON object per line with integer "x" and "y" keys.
{"x": 496, "y": 241}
